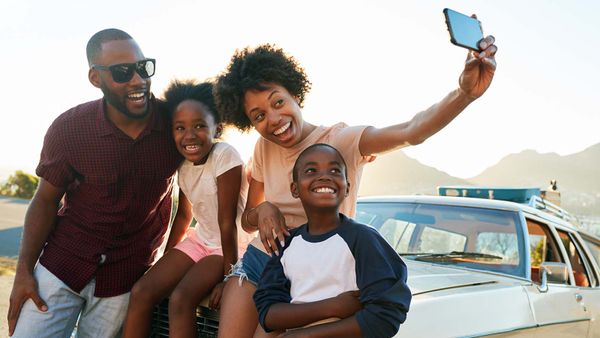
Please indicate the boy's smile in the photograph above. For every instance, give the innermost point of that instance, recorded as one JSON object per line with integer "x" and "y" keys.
{"x": 324, "y": 190}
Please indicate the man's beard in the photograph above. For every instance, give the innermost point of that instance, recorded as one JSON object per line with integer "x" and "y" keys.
{"x": 116, "y": 102}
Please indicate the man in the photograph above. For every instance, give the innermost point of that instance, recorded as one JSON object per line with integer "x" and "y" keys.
{"x": 110, "y": 163}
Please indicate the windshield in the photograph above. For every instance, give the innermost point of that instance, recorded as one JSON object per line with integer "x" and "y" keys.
{"x": 477, "y": 238}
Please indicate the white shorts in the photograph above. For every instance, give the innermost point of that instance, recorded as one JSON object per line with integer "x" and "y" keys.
{"x": 98, "y": 317}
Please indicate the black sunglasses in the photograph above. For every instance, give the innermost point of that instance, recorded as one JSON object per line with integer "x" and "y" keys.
{"x": 123, "y": 72}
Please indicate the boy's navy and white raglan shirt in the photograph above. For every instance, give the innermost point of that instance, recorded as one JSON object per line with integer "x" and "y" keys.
{"x": 352, "y": 257}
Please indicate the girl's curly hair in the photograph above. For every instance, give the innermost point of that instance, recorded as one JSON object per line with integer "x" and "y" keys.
{"x": 179, "y": 91}
{"x": 253, "y": 69}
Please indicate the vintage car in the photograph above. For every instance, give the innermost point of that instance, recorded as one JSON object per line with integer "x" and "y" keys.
{"x": 480, "y": 267}
{"x": 483, "y": 268}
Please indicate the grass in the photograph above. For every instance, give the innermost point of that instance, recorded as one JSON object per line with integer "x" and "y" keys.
{"x": 7, "y": 266}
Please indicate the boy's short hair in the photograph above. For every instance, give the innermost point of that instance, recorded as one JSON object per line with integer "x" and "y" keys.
{"x": 94, "y": 45}
{"x": 252, "y": 69}
{"x": 179, "y": 91}
{"x": 309, "y": 149}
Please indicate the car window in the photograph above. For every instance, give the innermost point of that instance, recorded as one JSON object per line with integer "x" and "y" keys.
{"x": 494, "y": 242}
{"x": 578, "y": 263}
{"x": 542, "y": 247}
{"x": 471, "y": 237}
{"x": 397, "y": 233}
{"x": 439, "y": 240}
{"x": 594, "y": 248}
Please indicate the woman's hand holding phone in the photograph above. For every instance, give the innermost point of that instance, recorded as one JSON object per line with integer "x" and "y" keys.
{"x": 479, "y": 69}
{"x": 480, "y": 65}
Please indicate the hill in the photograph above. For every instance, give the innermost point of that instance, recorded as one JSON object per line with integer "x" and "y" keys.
{"x": 396, "y": 173}
{"x": 578, "y": 171}
{"x": 578, "y": 176}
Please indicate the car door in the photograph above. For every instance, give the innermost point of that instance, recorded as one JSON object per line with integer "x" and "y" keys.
{"x": 558, "y": 310}
{"x": 586, "y": 276}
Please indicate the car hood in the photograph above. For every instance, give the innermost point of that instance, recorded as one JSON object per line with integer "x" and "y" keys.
{"x": 427, "y": 277}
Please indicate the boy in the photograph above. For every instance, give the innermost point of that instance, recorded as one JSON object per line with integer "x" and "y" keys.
{"x": 328, "y": 256}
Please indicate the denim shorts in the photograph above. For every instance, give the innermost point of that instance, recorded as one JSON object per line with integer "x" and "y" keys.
{"x": 250, "y": 266}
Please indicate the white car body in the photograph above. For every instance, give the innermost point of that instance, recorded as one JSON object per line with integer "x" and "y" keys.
{"x": 472, "y": 300}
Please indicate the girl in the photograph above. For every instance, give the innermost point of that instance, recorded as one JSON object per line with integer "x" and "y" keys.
{"x": 213, "y": 190}
{"x": 263, "y": 88}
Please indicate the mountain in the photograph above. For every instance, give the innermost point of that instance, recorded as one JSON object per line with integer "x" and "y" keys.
{"x": 579, "y": 171}
{"x": 578, "y": 176}
{"x": 396, "y": 173}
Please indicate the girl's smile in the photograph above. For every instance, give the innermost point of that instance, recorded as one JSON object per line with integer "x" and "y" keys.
{"x": 194, "y": 130}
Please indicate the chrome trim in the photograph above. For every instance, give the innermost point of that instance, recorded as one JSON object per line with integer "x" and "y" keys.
{"x": 543, "y": 287}
{"x": 520, "y": 328}
{"x": 454, "y": 287}
{"x": 497, "y": 332}
{"x": 566, "y": 322}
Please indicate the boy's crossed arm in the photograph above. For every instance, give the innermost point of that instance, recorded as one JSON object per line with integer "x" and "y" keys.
{"x": 382, "y": 305}
{"x": 282, "y": 316}
{"x": 276, "y": 313}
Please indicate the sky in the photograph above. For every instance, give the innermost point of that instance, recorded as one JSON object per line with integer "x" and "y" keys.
{"x": 374, "y": 62}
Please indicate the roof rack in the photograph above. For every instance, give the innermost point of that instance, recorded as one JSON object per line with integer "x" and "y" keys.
{"x": 518, "y": 195}
{"x": 528, "y": 196}
{"x": 551, "y": 208}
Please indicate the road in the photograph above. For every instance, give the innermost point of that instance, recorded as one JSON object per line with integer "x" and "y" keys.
{"x": 12, "y": 213}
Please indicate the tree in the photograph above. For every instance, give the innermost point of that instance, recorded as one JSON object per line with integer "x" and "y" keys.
{"x": 20, "y": 184}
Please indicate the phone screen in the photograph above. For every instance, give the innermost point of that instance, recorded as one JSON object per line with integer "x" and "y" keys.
{"x": 465, "y": 31}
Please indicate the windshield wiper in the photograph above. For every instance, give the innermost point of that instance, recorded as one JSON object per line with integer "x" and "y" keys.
{"x": 424, "y": 256}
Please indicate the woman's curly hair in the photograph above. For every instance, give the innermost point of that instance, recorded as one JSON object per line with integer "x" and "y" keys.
{"x": 252, "y": 69}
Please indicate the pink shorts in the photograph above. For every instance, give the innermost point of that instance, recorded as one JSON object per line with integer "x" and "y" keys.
{"x": 195, "y": 249}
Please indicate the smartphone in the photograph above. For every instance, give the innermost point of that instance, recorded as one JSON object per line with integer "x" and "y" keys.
{"x": 465, "y": 31}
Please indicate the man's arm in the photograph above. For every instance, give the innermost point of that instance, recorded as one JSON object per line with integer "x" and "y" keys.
{"x": 39, "y": 221}
{"x": 474, "y": 81}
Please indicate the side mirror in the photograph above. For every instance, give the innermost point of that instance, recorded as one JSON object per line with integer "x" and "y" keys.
{"x": 553, "y": 272}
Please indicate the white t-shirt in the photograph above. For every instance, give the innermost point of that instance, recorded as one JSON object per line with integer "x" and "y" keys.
{"x": 199, "y": 184}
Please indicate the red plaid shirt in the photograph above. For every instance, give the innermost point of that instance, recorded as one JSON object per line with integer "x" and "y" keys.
{"x": 117, "y": 203}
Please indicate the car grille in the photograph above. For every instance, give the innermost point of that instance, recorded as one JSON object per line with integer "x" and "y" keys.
{"x": 207, "y": 321}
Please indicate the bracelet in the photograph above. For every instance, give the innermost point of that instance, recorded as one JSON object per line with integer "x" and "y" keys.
{"x": 248, "y": 219}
